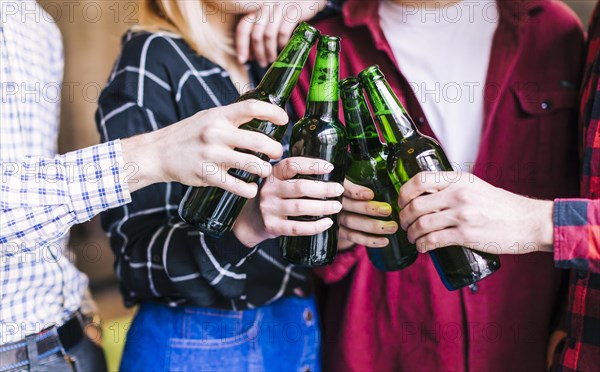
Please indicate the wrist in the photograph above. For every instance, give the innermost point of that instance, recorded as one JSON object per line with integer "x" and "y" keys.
{"x": 544, "y": 227}
{"x": 247, "y": 228}
{"x": 140, "y": 154}
{"x": 247, "y": 235}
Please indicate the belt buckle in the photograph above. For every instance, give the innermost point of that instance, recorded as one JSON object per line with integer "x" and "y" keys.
{"x": 71, "y": 361}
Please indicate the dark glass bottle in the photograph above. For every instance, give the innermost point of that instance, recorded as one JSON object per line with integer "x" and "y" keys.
{"x": 410, "y": 152}
{"x": 213, "y": 210}
{"x": 367, "y": 167}
{"x": 320, "y": 134}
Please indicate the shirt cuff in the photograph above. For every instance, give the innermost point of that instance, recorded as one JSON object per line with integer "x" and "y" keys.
{"x": 571, "y": 245}
{"x": 96, "y": 179}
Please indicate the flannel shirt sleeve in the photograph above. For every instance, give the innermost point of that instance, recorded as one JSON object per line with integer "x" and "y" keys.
{"x": 577, "y": 234}
{"x": 43, "y": 197}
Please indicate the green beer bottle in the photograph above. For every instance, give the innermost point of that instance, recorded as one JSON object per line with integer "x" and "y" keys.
{"x": 367, "y": 167}
{"x": 214, "y": 210}
{"x": 320, "y": 134}
{"x": 410, "y": 152}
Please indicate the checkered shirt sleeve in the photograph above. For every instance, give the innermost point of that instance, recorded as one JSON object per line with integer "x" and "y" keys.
{"x": 43, "y": 197}
{"x": 577, "y": 234}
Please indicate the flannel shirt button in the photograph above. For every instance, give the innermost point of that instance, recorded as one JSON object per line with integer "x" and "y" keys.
{"x": 546, "y": 105}
{"x": 474, "y": 288}
{"x": 581, "y": 274}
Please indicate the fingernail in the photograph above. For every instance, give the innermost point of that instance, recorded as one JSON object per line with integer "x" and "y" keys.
{"x": 337, "y": 208}
{"x": 241, "y": 59}
{"x": 390, "y": 227}
{"x": 339, "y": 189}
{"x": 384, "y": 210}
{"x": 329, "y": 223}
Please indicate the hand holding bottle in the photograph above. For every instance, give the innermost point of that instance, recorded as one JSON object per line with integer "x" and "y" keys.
{"x": 371, "y": 222}
{"x": 213, "y": 210}
{"x": 282, "y": 196}
{"x": 199, "y": 150}
{"x": 411, "y": 153}
{"x": 442, "y": 209}
{"x": 357, "y": 222}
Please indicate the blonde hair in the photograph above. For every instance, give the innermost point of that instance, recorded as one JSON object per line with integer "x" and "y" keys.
{"x": 188, "y": 19}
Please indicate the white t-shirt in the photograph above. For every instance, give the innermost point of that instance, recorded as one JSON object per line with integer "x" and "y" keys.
{"x": 444, "y": 54}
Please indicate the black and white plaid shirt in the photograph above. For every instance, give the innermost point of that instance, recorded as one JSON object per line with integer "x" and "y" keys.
{"x": 159, "y": 80}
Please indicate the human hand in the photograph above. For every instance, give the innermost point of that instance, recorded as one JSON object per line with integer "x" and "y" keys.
{"x": 281, "y": 196}
{"x": 357, "y": 225}
{"x": 555, "y": 346}
{"x": 449, "y": 208}
{"x": 262, "y": 32}
{"x": 199, "y": 150}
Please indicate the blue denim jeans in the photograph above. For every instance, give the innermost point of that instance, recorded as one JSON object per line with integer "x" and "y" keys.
{"x": 282, "y": 336}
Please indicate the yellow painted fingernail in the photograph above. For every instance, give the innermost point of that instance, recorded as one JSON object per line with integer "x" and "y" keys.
{"x": 384, "y": 210}
{"x": 390, "y": 227}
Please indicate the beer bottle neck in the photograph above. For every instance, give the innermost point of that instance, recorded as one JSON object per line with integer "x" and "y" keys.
{"x": 282, "y": 76}
{"x": 393, "y": 120}
{"x": 360, "y": 128}
{"x": 323, "y": 95}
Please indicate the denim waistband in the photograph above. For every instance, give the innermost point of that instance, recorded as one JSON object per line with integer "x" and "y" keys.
{"x": 287, "y": 314}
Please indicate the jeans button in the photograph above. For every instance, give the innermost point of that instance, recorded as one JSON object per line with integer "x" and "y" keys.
{"x": 308, "y": 316}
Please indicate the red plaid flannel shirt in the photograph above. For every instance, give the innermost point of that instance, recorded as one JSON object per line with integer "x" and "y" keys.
{"x": 577, "y": 228}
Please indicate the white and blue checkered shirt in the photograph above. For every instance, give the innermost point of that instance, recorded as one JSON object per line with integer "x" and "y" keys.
{"x": 42, "y": 194}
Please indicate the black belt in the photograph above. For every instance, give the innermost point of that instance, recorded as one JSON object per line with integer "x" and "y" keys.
{"x": 14, "y": 355}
